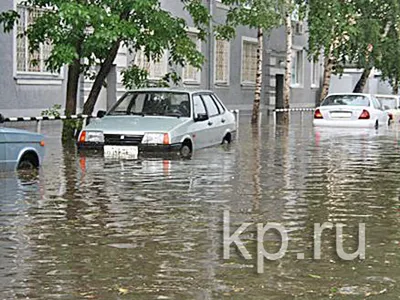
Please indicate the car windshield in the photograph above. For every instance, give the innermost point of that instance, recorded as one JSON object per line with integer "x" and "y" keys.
{"x": 351, "y": 100}
{"x": 387, "y": 103}
{"x": 171, "y": 104}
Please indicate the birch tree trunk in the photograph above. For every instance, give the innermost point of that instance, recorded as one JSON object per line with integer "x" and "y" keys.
{"x": 257, "y": 95}
{"x": 329, "y": 62}
{"x": 288, "y": 67}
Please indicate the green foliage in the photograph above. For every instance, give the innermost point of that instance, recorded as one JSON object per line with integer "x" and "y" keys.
{"x": 52, "y": 111}
{"x": 87, "y": 30}
{"x": 352, "y": 32}
{"x": 265, "y": 14}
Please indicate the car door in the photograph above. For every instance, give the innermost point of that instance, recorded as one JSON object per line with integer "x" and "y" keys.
{"x": 379, "y": 111}
{"x": 2, "y": 151}
{"x": 199, "y": 129}
{"x": 215, "y": 130}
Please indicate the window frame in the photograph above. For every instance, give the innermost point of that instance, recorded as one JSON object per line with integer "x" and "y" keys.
{"x": 204, "y": 102}
{"x": 27, "y": 77}
{"x": 197, "y": 80}
{"x": 151, "y": 64}
{"x": 246, "y": 39}
{"x": 299, "y": 81}
{"x": 228, "y": 67}
{"x": 219, "y": 104}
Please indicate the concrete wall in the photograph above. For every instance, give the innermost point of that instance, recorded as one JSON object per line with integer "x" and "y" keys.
{"x": 345, "y": 83}
{"x": 24, "y": 94}
{"x": 301, "y": 96}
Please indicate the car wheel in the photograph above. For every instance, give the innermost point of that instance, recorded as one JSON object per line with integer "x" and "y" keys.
{"x": 26, "y": 164}
{"x": 376, "y": 124}
{"x": 29, "y": 161}
{"x": 186, "y": 151}
{"x": 227, "y": 139}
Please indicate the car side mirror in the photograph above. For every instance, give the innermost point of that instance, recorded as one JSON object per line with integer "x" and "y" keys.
{"x": 201, "y": 118}
{"x": 2, "y": 119}
{"x": 101, "y": 113}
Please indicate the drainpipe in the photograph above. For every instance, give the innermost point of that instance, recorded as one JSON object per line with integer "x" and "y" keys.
{"x": 210, "y": 47}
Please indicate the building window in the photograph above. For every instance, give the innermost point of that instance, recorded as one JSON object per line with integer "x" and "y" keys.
{"x": 315, "y": 73}
{"x": 249, "y": 61}
{"x": 222, "y": 61}
{"x": 156, "y": 69}
{"x": 30, "y": 62}
{"x": 297, "y": 67}
{"x": 191, "y": 74}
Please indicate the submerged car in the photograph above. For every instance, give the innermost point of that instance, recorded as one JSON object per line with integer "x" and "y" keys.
{"x": 20, "y": 149}
{"x": 391, "y": 104}
{"x": 350, "y": 110}
{"x": 160, "y": 120}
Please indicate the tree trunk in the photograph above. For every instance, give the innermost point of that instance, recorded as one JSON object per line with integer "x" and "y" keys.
{"x": 396, "y": 87}
{"x": 288, "y": 67}
{"x": 105, "y": 68}
{"x": 257, "y": 95}
{"x": 72, "y": 87}
{"x": 329, "y": 63}
{"x": 74, "y": 69}
{"x": 359, "y": 88}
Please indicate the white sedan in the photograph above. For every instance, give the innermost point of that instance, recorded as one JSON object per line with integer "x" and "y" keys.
{"x": 350, "y": 110}
{"x": 390, "y": 103}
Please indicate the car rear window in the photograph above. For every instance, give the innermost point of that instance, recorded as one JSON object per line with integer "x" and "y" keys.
{"x": 351, "y": 100}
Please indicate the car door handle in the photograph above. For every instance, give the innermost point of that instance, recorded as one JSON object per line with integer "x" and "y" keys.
{"x": 210, "y": 123}
{"x": 223, "y": 120}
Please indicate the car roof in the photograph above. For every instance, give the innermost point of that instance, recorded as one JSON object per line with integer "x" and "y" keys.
{"x": 350, "y": 94}
{"x": 387, "y": 96}
{"x": 171, "y": 90}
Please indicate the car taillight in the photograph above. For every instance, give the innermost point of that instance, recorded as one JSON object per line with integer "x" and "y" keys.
{"x": 390, "y": 116}
{"x": 82, "y": 137}
{"x": 318, "y": 114}
{"x": 364, "y": 115}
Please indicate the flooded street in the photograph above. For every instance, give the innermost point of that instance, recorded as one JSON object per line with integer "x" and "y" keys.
{"x": 86, "y": 228}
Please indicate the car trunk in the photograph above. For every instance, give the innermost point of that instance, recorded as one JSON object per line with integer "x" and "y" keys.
{"x": 341, "y": 112}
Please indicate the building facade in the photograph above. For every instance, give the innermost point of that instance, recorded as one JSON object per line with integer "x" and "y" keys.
{"x": 230, "y": 67}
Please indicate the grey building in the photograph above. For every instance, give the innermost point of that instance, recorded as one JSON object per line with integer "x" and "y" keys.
{"x": 27, "y": 88}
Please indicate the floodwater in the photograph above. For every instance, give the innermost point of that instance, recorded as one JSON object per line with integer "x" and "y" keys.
{"x": 86, "y": 228}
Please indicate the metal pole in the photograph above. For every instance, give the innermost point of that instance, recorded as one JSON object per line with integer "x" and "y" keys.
{"x": 38, "y": 126}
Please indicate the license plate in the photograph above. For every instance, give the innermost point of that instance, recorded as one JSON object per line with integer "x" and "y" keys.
{"x": 121, "y": 152}
{"x": 341, "y": 114}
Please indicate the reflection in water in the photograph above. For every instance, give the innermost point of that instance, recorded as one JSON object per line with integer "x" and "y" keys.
{"x": 152, "y": 229}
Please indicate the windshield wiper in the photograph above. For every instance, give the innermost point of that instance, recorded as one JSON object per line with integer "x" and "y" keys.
{"x": 137, "y": 114}
{"x": 173, "y": 115}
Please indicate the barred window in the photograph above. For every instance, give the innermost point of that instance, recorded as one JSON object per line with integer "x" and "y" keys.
{"x": 156, "y": 69}
{"x": 190, "y": 73}
{"x": 222, "y": 61}
{"x": 30, "y": 62}
{"x": 249, "y": 62}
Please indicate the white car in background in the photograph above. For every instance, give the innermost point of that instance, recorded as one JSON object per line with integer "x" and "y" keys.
{"x": 350, "y": 110}
{"x": 391, "y": 104}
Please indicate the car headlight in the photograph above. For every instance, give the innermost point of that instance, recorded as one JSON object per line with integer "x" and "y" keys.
{"x": 92, "y": 137}
{"x": 156, "y": 138}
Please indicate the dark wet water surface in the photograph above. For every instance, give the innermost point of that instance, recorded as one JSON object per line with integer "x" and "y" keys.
{"x": 86, "y": 228}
